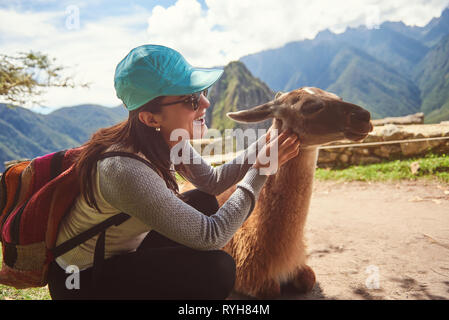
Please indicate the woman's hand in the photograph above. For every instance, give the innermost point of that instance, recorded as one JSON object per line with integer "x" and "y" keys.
{"x": 287, "y": 147}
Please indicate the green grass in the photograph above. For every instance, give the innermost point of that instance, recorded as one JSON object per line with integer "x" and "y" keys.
{"x": 430, "y": 167}
{"x": 10, "y": 293}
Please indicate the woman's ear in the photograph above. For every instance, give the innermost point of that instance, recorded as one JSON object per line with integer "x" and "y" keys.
{"x": 149, "y": 119}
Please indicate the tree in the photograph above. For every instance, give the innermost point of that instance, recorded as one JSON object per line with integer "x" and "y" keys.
{"x": 24, "y": 76}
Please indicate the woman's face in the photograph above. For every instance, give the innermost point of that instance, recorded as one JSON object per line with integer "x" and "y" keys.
{"x": 181, "y": 116}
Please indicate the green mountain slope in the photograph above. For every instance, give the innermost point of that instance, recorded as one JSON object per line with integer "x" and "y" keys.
{"x": 338, "y": 67}
{"x": 79, "y": 122}
{"x": 26, "y": 134}
{"x": 15, "y": 145}
{"x": 432, "y": 77}
{"x": 437, "y": 29}
{"x": 237, "y": 89}
{"x": 35, "y": 127}
{"x": 363, "y": 80}
{"x": 384, "y": 44}
{"x": 297, "y": 64}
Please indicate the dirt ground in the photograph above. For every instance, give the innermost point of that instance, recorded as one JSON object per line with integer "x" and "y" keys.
{"x": 378, "y": 241}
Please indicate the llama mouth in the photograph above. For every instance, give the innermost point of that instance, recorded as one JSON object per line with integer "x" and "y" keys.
{"x": 355, "y": 136}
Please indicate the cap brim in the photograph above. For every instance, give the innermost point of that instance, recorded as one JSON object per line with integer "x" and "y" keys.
{"x": 198, "y": 79}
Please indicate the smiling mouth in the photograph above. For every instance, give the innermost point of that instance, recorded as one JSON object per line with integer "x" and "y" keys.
{"x": 200, "y": 120}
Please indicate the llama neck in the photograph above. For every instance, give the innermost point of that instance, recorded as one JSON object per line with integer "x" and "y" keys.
{"x": 288, "y": 192}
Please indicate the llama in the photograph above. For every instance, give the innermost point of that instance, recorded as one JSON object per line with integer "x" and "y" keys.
{"x": 269, "y": 249}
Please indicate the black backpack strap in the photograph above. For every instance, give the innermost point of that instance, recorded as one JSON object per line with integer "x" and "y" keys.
{"x": 99, "y": 246}
{"x": 56, "y": 164}
{"x": 98, "y": 259}
{"x": 3, "y": 191}
{"x": 99, "y": 228}
{"x": 115, "y": 220}
{"x": 86, "y": 235}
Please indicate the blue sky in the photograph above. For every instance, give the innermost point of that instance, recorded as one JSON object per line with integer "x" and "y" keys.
{"x": 91, "y": 37}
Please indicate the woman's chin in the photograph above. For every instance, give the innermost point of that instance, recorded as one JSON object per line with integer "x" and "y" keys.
{"x": 204, "y": 130}
{"x": 199, "y": 131}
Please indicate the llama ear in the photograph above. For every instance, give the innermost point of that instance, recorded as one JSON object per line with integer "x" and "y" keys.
{"x": 278, "y": 94}
{"x": 255, "y": 114}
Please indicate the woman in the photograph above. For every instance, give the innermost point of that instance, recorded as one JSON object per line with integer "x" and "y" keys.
{"x": 170, "y": 247}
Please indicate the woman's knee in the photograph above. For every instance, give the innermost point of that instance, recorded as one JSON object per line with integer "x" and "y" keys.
{"x": 202, "y": 201}
{"x": 223, "y": 271}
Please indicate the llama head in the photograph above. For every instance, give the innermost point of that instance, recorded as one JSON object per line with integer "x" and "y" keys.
{"x": 316, "y": 116}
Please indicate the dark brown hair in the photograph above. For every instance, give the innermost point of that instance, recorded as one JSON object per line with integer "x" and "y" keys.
{"x": 129, "y": 133}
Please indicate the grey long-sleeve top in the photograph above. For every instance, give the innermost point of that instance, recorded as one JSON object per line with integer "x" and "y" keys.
{"x": 127, "y": 185}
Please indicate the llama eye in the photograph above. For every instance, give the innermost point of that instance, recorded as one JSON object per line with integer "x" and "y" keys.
{"x": 310, "y": 108}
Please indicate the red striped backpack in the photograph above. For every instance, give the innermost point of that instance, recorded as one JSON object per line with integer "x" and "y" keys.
{"x": 34, "y": 197}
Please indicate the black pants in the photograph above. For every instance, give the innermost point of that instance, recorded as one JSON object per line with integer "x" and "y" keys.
{"x": 159, "y": 269}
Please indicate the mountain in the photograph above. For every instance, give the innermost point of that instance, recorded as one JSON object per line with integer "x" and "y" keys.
{"x": 413, "y": 32}
{"x": 237, "y": 89}
{"x": 429, "y": 35}
{"x": 334, "y": 65}
{"x": 307, "y": 61}
{"x": 81, "y": 121}
{"x": 437, "y": 29}
{"x": 432, "y": 77}
{"x": 363, "y": 80}
{"x": 392, "y": 48}
{"x": 26, "y": 134}
{"x": 389, "y": 70}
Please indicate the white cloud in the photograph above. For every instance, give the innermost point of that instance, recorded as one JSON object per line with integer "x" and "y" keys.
{"x": 25, "y": 25}
{"x": 90, "y": 52}
{"x": 231, "y": 29}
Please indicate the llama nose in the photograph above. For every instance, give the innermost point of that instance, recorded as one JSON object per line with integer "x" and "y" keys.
{"x": 361, "y": 115}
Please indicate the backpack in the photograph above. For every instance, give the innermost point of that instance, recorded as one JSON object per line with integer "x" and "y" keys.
{"x": 34, "y": 198}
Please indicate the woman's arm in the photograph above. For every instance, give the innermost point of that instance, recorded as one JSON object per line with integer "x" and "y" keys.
{"x": 215, "y": 180}
{"x": 134, "y": 188}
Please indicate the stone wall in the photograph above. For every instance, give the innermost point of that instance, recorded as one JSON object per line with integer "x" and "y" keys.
{"x": 331, "y": 156}
{"x": 347, "y": 155}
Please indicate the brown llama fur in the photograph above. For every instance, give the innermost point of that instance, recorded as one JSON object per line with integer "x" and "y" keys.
{"x": 270, "y": 249}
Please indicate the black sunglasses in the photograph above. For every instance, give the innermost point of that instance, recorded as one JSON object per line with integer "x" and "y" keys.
{"x": 194, "y": 99}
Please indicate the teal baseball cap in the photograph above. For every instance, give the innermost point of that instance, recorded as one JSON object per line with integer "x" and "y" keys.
{"x": 151, "y": 71}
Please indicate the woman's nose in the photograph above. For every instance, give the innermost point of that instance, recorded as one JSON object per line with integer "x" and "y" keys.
{"x": 204, "y": 102}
